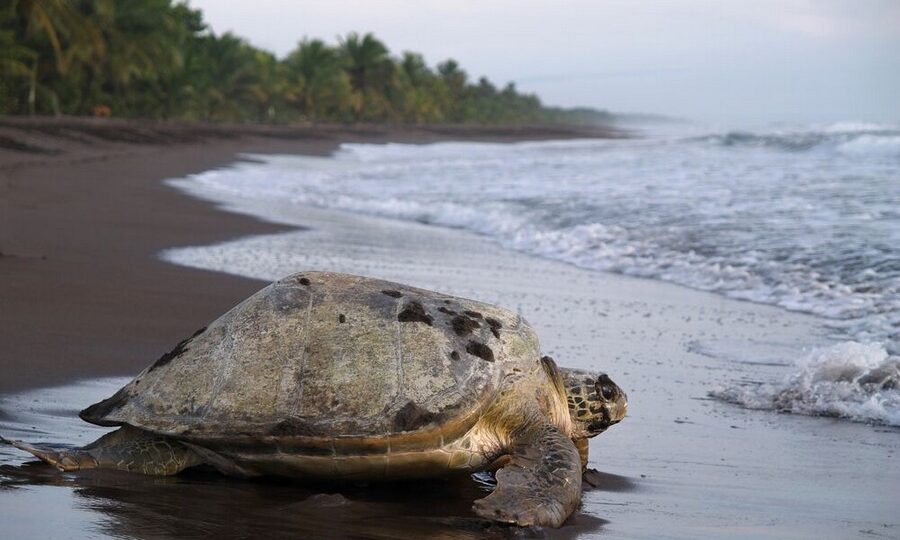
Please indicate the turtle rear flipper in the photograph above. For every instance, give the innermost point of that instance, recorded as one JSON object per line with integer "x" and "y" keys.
{"x": 540, "y": 485}
{"x": 126, "y": 449}
{"x": 64, "y": 459}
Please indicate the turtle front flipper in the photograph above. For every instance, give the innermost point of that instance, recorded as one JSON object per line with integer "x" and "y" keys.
{"x": 126, "y": 449}
{"x": 541, "y": 483}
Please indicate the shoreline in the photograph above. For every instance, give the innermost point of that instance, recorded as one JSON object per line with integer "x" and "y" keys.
{"x": 681, "y": 465}
{"x": 84, "y": 215}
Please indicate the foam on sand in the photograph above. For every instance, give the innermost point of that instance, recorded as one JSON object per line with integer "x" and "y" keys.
{"x": 848, "y": 380}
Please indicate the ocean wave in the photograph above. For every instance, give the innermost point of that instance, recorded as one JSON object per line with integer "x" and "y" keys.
{"x": 848, "y": 138}
{"x": 872, "y": 146}
{"x": 804, "y": 232}
{"x": 851, "y": 127}
{"x": 850, "y": 380}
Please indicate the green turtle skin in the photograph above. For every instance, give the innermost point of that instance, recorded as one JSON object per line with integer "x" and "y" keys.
{"x": 332, "y": 376}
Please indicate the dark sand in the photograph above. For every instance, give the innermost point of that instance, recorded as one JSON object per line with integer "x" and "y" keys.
{"x": 84, "y": 212}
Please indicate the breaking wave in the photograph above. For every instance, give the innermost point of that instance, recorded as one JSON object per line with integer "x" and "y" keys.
{"x": 846, "y": 137}
{"x": 817, "y": 232}
{"x": 849, "y": 380}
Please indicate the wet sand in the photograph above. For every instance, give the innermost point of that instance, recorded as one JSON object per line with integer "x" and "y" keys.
{"x": 680, "y": 466}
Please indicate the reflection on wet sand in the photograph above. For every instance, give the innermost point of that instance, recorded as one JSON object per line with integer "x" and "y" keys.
{"x": 204, "y": 504}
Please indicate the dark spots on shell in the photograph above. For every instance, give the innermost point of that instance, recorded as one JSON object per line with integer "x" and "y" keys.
{"x": 414, "y": 312}
{"x": 412, "y": 417}
{"x": 341, "y": 318}
{"x": 454, "y": 355}
{"x": 176, "y": 352}
{"x": 442, "y": 309}
{"x": 171, "y": 355}
{"x": 480, "y": 350}
{"x": 473, "y": 314}
{"x": 293, "y": 427}
{"x": 392, "y": 293}
{"x": 464, "y": 326}
{"x": 495, "y": 326}
{"x": 303, "y": 281}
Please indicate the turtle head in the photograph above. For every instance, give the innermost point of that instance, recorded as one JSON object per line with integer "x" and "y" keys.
{"x": 595, "y": 402}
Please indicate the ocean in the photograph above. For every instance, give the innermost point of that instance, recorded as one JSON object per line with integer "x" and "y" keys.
{"x": 806, "y": 218}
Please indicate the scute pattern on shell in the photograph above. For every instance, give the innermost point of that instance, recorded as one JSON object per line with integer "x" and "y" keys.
{"x": 327, "y": 354}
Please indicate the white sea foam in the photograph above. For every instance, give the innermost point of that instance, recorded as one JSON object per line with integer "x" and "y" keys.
{"x": 851, "y": 127}
{"x": 848, "y": 380}
{"x": 872, "y": 145}
{"x": 817, "y": 232}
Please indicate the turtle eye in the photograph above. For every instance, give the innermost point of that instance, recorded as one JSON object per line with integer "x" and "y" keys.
{"x": 608, "y": 392}
{"x": 606, "y": 388}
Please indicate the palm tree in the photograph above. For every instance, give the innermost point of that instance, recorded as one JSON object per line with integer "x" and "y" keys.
{"x": 414, "y": 68}
{"x": 56, "y": 25}
{"x": 142, "y": 42}
{"x": 370, "y": 69}
{"x": 316, "y": 82}
{"x": 50, "y": 18}
{"x": 156, "y": 58}
{"x": 16, "y": 63}
{"x": 454, "y": 79}
{"x": 421, "y": 95}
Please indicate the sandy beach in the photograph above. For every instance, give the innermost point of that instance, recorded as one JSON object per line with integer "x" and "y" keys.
{"x": 104, "y": 267}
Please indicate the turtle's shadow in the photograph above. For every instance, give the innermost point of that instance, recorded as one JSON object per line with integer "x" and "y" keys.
{"x": 598, "y": 480}
{"x": 201, "y": 503}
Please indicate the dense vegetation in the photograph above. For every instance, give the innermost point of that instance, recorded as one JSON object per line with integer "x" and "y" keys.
{"x": 157, "y": 59}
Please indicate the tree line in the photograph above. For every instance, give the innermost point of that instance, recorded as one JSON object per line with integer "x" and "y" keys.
{"x": 159, "y": 59}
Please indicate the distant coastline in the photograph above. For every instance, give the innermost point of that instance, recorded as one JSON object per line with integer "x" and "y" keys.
{"x": 51, "y": 136}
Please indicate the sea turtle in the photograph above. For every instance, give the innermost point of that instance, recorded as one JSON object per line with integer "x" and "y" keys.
{"x": 332, "y": 376}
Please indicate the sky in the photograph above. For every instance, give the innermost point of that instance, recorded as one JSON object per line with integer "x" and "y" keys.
{"x": 711, "y": 60}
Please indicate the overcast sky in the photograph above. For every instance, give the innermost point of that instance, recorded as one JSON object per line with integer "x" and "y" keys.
{"x": 719, "y": 60}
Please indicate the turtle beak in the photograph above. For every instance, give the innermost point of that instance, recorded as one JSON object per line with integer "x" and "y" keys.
{"x": 621, "y": 407}
{"x": 612, "y": 413}
{"x": 601, "y": 424}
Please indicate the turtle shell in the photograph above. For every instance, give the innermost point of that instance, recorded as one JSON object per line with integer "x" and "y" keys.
{"x": 328, "y": 355}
